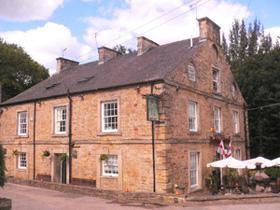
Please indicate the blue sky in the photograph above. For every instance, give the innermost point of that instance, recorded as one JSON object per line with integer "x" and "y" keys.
{"x": 44, "y": 28}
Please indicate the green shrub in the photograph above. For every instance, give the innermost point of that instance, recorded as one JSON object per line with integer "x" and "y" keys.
{"x": 273, "y": 172}
{"x": 2, "y": 167}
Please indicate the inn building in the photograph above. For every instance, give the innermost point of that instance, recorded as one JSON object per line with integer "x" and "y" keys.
{"x": 138, "y": 122}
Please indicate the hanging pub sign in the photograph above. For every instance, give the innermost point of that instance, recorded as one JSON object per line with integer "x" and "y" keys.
{"x": 152, "y": 107}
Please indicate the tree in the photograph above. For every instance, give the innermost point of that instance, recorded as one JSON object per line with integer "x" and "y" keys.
{"x": 256, "y": 66}
{"x": 18, "y": 71}
{"x": 2, "y": 167}
{"x": 123, "y": 50}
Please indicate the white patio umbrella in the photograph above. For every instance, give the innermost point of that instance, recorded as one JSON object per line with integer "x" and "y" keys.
{"x": 274, "y": 162}
{"x": 257, "y": 160}
{"x": 231, "y": 162}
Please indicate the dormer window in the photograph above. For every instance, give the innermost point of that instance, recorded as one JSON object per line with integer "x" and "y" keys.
{"x": 191, "y": 73}
{"x": 216, "y": 80}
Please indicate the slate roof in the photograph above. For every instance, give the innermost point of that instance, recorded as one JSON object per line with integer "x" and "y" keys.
{"x": 130, "y": 69}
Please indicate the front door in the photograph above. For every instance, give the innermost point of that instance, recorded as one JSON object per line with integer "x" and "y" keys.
{"x": 60, "y": 167}
{"x": 63, "y": 171}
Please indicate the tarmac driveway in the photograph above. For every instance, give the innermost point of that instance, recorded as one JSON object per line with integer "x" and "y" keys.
{"x": 31, "y": 198}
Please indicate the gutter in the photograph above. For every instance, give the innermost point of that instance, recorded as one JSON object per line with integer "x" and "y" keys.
{"x": 156, "y": 81}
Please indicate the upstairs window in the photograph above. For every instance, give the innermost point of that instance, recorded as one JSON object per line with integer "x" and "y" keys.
{"x": 22, "y": 160}
{"x": 60, "y": 114}
{"x": 217, "y": 119}
{"x": 191, "y": 73}
{"x": 216, "y": 80}
{"x": 110, "y": 116}
{"x": 110, "y": 166}
{"x": 236, "y": 122}
{"x": 22, "y": 123}
{"x": 192, "y": 116}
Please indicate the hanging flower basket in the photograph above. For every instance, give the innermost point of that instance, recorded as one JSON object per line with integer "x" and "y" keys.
{"x": 103, "y": 157}
{"x": 15, "y": 152}
{"x": 46, "y": 153}
{"x": 63, "y": 157}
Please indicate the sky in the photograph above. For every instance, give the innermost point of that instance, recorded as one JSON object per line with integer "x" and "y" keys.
{"x": 74, "y": 29}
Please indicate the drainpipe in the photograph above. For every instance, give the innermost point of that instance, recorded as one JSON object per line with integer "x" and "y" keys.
{"x": 246, "y": 133}
{"x": 34, "y": 141}
{"x": 70, "y": 136}
{"x": 153, "y": 147}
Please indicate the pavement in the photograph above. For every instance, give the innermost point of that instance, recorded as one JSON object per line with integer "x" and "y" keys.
{"x": 32, "y": 198}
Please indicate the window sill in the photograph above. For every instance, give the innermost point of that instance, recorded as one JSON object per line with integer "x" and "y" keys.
{"x": 21, "y": 169}
{"x": 21, "y": 136}
{"x": 195, "y": 188}
{"x": 194, "y": 133}
{"x": 109, "y": 177}
{"x": 116, "y": 133}
{"x": 59, "y": 135}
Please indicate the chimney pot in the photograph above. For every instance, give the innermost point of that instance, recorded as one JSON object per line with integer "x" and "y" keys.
{"x": 106, "y": 54}
{"x": 208, "y": 29}
{"x": 144, "y": 44}
{"x": 63, "y": 63}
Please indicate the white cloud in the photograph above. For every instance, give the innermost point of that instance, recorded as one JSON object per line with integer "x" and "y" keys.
{"x": 26, "y": 10}
{"x": 44, "y": 44}
{"x": 274, "y": 33}
{"x": 176, "y": 21}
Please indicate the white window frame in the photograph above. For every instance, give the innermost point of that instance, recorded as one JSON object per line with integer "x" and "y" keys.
{"x": 191, "y": 73}
{"x": 236, "y": 123}
{"x": 233, "y": 89}
{"x": 193, "y": 116}
{"x": 20, "y": 123}
{"x": 20, "y": 161}
{"x": 194, "y": 170}
{"x": 103, "y": 117}
{"x": 57, "y": 121}
{"x": 216, "y": 80}
{"x": 217, "y": 119}
{"x": 237, "y": 154}
{"x": 112, "y": 164}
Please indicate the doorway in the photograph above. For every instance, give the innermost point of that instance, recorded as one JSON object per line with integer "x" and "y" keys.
{"x": 60, "y": 168}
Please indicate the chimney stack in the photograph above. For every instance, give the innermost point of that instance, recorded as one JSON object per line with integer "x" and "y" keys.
{"x": 63, "y": 63}
{"x": 144, "y": 44}
{"x": 209, "y": 30}
{"x": 106, "y": 54}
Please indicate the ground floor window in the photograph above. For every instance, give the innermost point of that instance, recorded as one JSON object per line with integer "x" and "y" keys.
{"x": 22, "y": 160}
{"x": 110, "y": 166}
{"x": 194, "y": 168}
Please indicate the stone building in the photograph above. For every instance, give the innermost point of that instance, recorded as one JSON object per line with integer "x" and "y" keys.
{"x": 87, "y": 124}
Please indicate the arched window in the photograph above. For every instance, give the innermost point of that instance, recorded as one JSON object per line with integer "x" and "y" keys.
{"x": 191, "y": 72}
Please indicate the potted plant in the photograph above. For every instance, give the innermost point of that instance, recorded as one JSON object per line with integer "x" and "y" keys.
{"x": 179, "y": 189}
{"x": 46, "y": 153}
{"x": 212, "y": 183}
{"x": 63, "y": 157}
{"x": 103, "y": 157}
{"x": 15, "y": 152}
